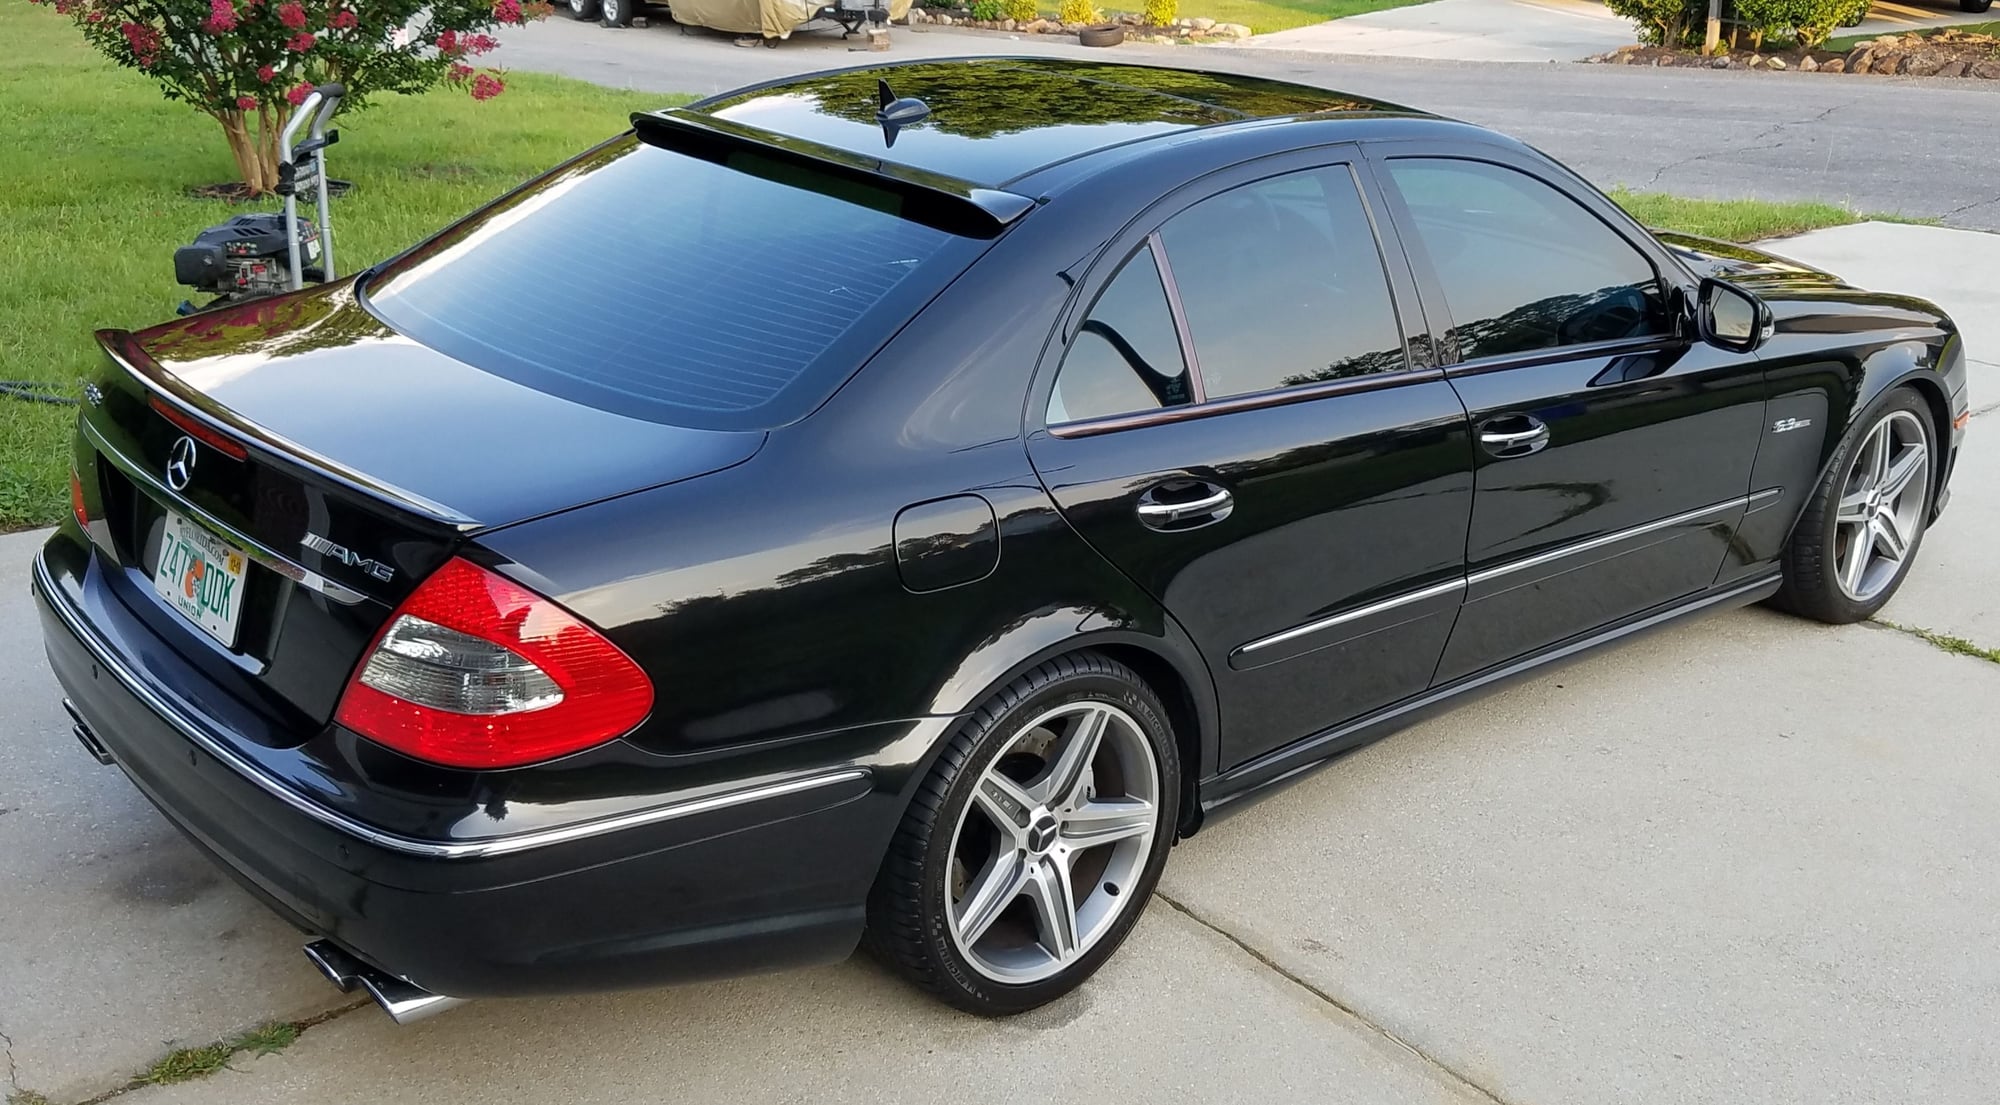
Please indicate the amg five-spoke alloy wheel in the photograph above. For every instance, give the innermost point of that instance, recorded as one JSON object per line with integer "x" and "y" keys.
{"x": 1031, "y": 849}
{"x": 1860, "y": 533}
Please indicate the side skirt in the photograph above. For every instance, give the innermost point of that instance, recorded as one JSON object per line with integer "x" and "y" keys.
{"x": 1225, "y": 794}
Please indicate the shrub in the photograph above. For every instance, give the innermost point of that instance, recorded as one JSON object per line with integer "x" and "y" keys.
{"x": 1020, "y": 11}
{"x": 246, "y": 63}
{"x": 1160, "y": 13}
{"x": 988, "y": 10}
{"x": 1811, "y": 22}
{"x": 1665, "y": 22}
{"x": 1078, "y": 11}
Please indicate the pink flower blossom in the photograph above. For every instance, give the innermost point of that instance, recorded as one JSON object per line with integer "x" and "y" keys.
{"x": 508, "y": 11}
{"x": 221, "y": 17}
{"x": 292, "y": 15}
{"x": 246, "y": 103}
{"x": 265, "y": 73}
{"x": 459, "y": 73}
{"x": 343, "y": 20}
{"x": 94, "y": 15}
{"x": 480, "y": 44}
{"x": 297, "y": 93}
{"x": 448, "y": 42}
{"x": 144, "y": 42}
{"x": 485, "y": 86}
{"x": 301, "y": 42}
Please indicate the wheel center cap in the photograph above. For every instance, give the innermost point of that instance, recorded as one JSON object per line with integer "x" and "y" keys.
{"x": 1042, "y": 833}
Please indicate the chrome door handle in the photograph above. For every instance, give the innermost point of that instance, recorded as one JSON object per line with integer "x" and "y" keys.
{"x": 1177, "y": 513}
{"x": 1507, "y": 442}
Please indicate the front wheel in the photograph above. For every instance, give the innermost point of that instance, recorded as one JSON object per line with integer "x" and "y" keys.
{"x": 618, "y": 13}
{"x": 1860, "y": 533}
{"x": 1031, "y": 849}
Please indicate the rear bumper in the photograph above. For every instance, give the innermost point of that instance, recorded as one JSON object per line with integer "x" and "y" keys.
{"x": 775, "y": 879}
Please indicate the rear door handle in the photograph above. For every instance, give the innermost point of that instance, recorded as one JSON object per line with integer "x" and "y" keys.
{"x": 1184, "y": 504}
{"x": 1513, "y": 435}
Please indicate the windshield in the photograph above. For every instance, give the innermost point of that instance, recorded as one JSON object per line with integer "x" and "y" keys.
{"x": 733, "y": 295}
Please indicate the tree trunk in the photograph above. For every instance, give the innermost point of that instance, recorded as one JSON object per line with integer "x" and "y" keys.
{"x": 255, "y": 149}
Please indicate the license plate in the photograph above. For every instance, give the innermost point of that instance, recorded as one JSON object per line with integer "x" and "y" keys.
{"x": 201, "y": 576}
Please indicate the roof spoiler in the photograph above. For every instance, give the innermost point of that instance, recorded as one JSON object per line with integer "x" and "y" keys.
{"x": 933, "y": 199}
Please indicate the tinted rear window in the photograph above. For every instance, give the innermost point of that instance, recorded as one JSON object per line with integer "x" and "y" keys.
{"x": 665, "y": 287}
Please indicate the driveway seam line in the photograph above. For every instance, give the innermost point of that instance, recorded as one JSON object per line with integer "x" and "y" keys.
{"x": 1432, "y": 1061}
{"x": 141, "y": 1082}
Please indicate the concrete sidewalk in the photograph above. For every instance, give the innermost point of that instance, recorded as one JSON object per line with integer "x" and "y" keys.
{"x": 1464, "y": 30}
{"x": 1746, "y": 860}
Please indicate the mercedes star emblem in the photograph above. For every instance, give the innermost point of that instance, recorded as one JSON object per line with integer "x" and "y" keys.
{"x": 180, "y": 463}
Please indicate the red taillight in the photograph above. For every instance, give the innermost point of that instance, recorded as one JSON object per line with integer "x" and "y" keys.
{"x": 76, "y": 506}
{"x": 474, "y": 670}
{"x": 194, "y": 429}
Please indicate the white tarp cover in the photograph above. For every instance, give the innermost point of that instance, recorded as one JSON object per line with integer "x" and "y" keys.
{"x": 770, "y": 18}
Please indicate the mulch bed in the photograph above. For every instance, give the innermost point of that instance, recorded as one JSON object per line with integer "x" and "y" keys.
{"x": 235, "y": 191}
{"x": 1949, "y": 53}
{"x": 1136, "y": 29}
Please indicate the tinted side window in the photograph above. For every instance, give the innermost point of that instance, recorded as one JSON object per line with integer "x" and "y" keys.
{"x": 1126, "y": 356}
{"x": 1523, "y": 266}
{"x": 1283, "y": 284}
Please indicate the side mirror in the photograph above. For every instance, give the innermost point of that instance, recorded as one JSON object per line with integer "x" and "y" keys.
{"x": 1731, "y": 318}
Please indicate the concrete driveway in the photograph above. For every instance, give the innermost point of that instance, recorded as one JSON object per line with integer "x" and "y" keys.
{"x": 1745, "y": 860}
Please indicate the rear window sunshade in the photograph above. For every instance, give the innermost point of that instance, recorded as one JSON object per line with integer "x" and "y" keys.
{"x": 726, "y": 293}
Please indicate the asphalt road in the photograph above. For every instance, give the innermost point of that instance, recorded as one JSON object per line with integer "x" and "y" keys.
{"x": 1746, "y": 860}
{"x": 1918, "y": 147}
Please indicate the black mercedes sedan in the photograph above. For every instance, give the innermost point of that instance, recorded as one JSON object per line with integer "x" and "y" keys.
{"x": 896, "y": 505}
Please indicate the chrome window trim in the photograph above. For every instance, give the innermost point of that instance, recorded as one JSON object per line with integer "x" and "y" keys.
{"x": 1435, "y": 590}
{"x": 253, "y": 549}
{"x": 174, "y": 714}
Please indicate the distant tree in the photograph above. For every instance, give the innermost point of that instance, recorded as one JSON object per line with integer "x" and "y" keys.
{"x": 246, "y": 63}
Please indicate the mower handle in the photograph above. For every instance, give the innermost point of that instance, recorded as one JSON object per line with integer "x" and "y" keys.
{"x": 318, "y": 106}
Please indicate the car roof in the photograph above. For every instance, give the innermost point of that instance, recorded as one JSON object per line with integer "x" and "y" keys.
{"x": 996, "y": 120}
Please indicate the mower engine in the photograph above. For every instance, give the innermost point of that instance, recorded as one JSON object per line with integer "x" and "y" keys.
{"x": 245, "y": 257}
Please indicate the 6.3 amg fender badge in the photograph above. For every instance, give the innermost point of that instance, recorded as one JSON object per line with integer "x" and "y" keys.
{"x": 349, "y": 557}
{"x": 180, "y": 463}
{"x": 1785, "y": 425}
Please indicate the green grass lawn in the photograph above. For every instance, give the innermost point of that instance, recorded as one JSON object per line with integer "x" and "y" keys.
{"x": 93, "y": 166}
{"x": 1264, "y": 16}
{"x": 92, "y": 206}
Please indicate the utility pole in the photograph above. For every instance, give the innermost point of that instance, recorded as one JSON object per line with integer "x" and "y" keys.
{"x": 1713, "y": 37}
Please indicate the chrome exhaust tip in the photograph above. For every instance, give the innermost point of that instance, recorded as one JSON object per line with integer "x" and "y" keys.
{"x": 403, "y": 1000}
{"x": 80, "y": 729}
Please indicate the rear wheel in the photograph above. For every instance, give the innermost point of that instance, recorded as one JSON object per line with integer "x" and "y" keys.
{"x": 583, "y": 9}
{"x": 618, "y": 13}
{"x": 1860, "y": 533}
{"x": 1031, "y": 849}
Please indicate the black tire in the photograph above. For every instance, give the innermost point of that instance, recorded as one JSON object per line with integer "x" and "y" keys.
{"x": 1101, "y": 36}
{"x": 583, "y": 9}
{"x": 1812, "y": 557}
{"x": 907, "y": 919}
{"x": 1974, "y": 6}
{"x": 618, "y": 13}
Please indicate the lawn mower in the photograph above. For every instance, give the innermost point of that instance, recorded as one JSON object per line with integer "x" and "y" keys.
{"x": 251, "y": 256}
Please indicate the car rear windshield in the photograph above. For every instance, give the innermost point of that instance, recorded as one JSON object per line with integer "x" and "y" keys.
{"x": 728, "y": 295}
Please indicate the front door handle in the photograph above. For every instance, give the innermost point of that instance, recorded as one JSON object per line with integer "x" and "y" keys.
{"x": 1513, "y": 435}
{"x": 1184, "y": 504}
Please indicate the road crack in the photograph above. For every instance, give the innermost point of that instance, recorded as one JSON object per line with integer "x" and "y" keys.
{"x": 1756, "y": 141}
{"x": 1443, "y": 1069}
{"x": 1943, "y": 642}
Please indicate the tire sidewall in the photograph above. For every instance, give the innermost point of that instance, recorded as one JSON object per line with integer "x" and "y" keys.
{"x": 1895, "y": 399}
{"x": 933, "y": 902}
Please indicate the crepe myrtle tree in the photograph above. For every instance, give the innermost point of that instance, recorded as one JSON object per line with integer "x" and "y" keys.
{"x": 247, "y": 63}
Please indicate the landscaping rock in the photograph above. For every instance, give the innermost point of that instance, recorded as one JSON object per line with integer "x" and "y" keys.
{"x": 942, "y": 19}
{"x": 1621, "y": 58}
{"x": 1954, "y": 68}
{"x": 1718, "y": 63}
{"x": 1985, "y": 70}
{"x": 1776, "y": 63}
{"x": 1808, "y": 65}
{"x": 1837, "y": 65}
{"x": 1860, "y": 59}
{"x": 1629, "y": 48}
{"x": 1887, "y": 63}
{"x": 1756, "y": 61}
{"x": 1923, "y": 65}
{"x": 1202, "y": 24}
